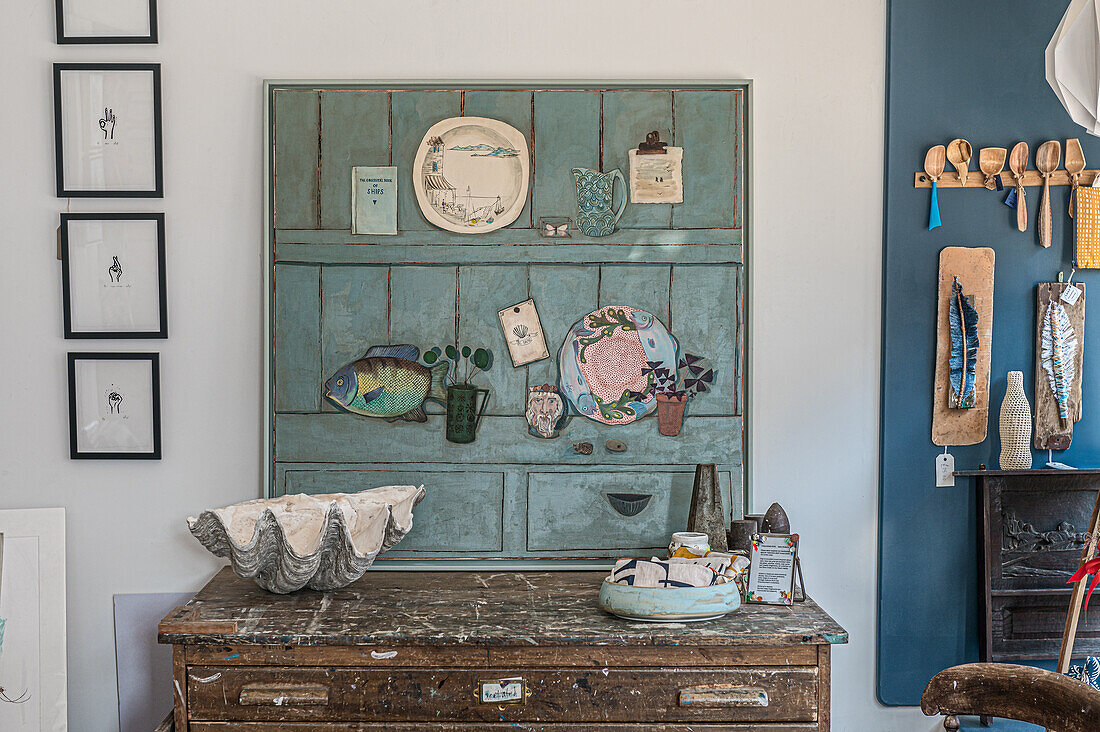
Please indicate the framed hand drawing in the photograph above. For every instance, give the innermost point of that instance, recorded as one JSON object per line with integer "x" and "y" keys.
{"x": 106, "y": 21}
{"x": 32, "y": 620}
{"x": 107, "y": 130}
{"x": 112, "y": 275}
{"x": 114, "y": 406}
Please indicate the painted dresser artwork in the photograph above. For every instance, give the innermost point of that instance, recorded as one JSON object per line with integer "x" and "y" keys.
{"x": 473, "y": 350}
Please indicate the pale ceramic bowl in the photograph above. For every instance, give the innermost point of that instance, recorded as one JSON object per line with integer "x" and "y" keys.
{"x": 669, "y": 604}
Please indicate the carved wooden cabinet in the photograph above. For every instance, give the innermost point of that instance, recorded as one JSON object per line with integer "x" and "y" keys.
{"x": 1033, "y": 525}
{"x": 470, "y": 652}
{"x": 333, "y": 294}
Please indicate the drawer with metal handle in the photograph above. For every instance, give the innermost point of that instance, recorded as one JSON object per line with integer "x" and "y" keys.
{"x": 744, "y": 694}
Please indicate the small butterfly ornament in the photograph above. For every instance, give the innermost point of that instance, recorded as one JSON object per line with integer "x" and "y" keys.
{"x": 554, "y": 228}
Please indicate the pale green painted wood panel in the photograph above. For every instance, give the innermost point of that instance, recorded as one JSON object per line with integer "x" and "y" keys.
{"x": 355, "y": 130}
{"x": 482, "y": 292}
{"x": 628, "y": 116}
{"x": 515, "y": 510}
{"x": 412, "y": 113}
{"x": 517, "y": 109}
{"x": 591, "y": 255}
{"x": 354, "y": 316}
{"x": 563, "y": 295}
{"x": 422, "y": 310}
{"x": 567, "y": 136}
{"x": 704, "y": 319}
{"x": 637, "y": 285}
{"x": 295, "y": 156}
{"x": 297, "y": 346}
{"x": 708, "y": 127}
{"x": 461, "y": 511}
{"x": 348, "y": 438}
{"x": 622, "y": 241}
{"x": 570, "y": 511}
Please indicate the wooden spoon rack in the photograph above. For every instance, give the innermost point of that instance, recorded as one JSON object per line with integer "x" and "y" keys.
{"x": 977, "y": 180}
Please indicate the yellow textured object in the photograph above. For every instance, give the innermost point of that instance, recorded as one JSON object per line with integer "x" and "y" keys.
{"x": 1087, "y": 228}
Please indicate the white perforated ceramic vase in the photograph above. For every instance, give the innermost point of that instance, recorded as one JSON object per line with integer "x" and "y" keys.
{"x": 1015, "y": 425}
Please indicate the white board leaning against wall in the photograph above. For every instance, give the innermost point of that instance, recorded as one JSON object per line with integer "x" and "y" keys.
{"x": 32, "y": 620}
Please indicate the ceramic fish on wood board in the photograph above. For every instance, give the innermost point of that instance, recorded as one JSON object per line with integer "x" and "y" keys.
{"x": 1059, "y": 353}
{"x": 963, "y": 319}
{"x": 389, "y": 382}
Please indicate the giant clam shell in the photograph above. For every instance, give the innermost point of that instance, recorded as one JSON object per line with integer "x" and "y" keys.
{"x": 322, "y": 541}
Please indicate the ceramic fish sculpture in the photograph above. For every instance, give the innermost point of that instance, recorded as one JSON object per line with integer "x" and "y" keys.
{"x": 389, "y": 382}
{"x": 1058, "y": 355}
{"x": 963, "y": 319}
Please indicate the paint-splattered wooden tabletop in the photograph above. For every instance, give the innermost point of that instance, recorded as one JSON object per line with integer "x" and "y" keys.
{"x": 467, "y": 608}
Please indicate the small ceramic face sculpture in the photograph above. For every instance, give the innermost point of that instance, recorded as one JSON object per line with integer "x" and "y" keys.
{"x": 545, "y": 411}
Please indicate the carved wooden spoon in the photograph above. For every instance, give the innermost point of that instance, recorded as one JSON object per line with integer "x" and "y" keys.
{"x": 934, "y": 160}
{"x": 991, "y": 161}
{"x": 958, "y": 154}
{"x": 1075, "y": 163}
{"x": 1017, "y": 163}
{"x": 1047, "y": 158}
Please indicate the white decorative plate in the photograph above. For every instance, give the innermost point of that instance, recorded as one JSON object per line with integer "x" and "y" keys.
{"x": 471, "y": 173}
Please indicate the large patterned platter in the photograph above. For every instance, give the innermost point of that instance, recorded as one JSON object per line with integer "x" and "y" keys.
{"x": 602, "y": 363}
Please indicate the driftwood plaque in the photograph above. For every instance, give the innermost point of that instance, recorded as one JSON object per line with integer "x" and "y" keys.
{"x": 973, "y": 266}
{"x": 1052, "y": 432}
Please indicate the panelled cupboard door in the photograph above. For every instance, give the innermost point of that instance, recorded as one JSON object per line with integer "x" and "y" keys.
{"x": 334, "y": 295}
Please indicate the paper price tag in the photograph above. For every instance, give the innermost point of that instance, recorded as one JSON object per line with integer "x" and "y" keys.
{"x": 1071, "y": 295}
{"x": 945, "y": 471}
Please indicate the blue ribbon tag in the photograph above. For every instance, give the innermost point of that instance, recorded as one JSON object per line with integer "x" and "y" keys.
{"x": 934, "y": 210}
{"x": 1000, "y": 185}
{"x": 1010, "y": 199}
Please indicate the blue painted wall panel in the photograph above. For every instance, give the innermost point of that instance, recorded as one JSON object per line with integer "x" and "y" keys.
{"x": 928, "y": 598}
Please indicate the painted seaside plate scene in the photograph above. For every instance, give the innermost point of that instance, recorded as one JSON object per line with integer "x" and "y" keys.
{"x": 602, "y": 363}
{"x": 471, "y": 174}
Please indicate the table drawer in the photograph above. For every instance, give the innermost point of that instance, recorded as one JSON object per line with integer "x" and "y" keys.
{"x": 786, "y": 694}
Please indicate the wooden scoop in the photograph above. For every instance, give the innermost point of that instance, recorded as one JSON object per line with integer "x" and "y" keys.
{"x": 1017, "y": 163}
{"x": 991, "y": 161}
{"x": 934, "y": 161}
{"x": 958, "y": 154}
{"x": 1047, "y": 158}
{"x": 1075, "y": 163}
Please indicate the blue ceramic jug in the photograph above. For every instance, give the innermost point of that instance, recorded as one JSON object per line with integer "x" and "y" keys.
{"x": 595, "y": 200}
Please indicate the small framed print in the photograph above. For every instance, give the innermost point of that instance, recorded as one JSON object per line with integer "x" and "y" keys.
{"x": 771, "y": 569}
{"x": 107, "y": 130}
{"x": 114, "y": 406}
{"x": 106, "y": 21}
{"x": 523, "y": 333}
{"x": 112, "y": 275}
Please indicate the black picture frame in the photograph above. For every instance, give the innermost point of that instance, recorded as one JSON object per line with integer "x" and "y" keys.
{"x": 65, "y": 39}
{"x": 66, "y": 276}
{"x": 74, "y": 450}
{"x": 158, "y": 142}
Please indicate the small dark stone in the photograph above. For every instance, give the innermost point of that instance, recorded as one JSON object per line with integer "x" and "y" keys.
{"x": 615, "y": 446}
{"x": 584, "y": 448}
{"x": 775, "y": 521}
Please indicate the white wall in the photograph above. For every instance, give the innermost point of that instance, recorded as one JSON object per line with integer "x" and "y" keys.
{"x": 818, "y": 69}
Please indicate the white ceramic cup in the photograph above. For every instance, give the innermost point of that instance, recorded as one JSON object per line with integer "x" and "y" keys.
{"x": 698, "y": 544}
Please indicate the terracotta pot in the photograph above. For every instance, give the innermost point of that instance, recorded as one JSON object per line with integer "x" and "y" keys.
{"x": 670, "y": 414}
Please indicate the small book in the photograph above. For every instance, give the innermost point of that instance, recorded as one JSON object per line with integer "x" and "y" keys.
{"x": 374, "y": 200}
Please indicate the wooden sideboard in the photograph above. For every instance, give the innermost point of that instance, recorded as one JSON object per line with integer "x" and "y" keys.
{"x": 1032, "y": 528}
{"x": 409, "y": 651}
